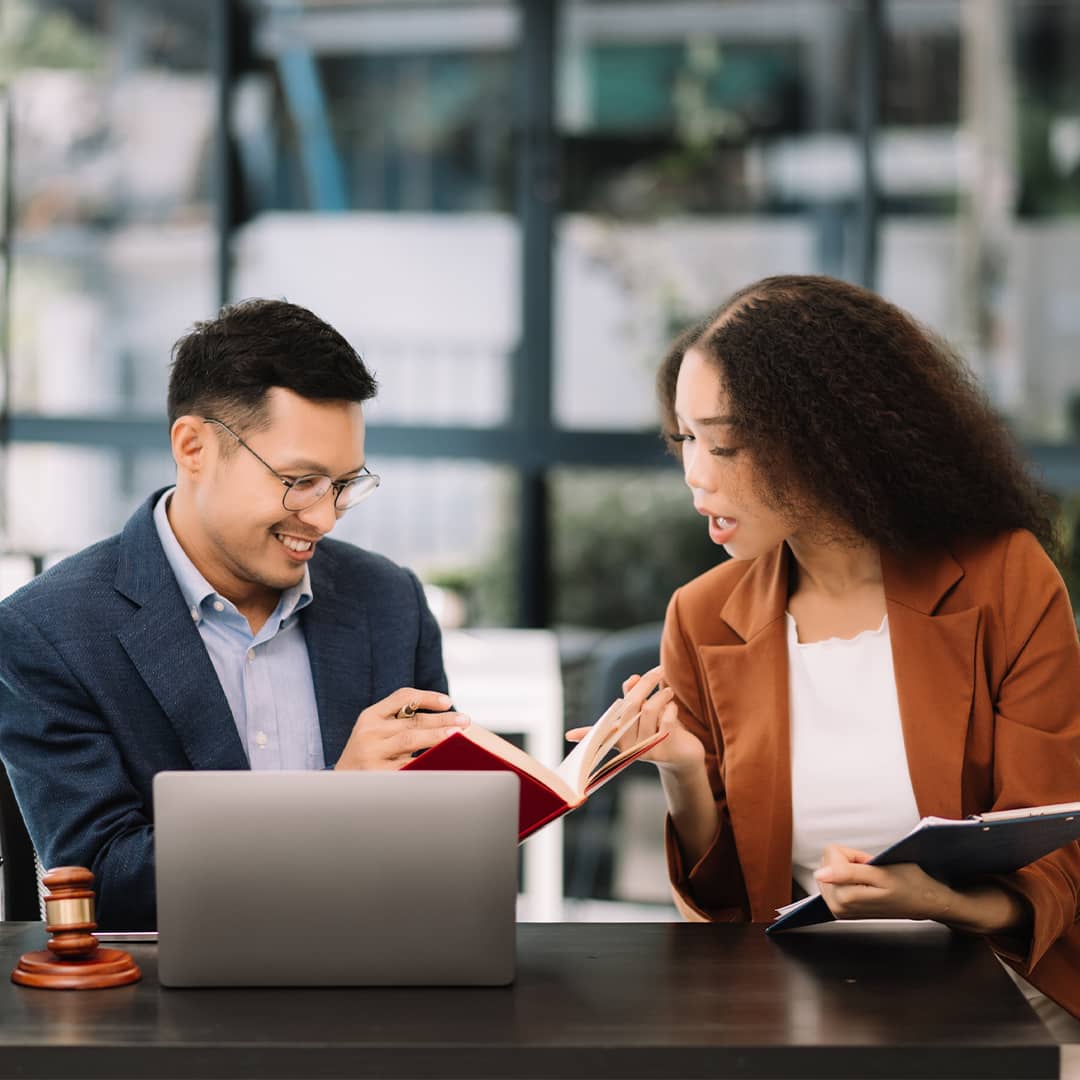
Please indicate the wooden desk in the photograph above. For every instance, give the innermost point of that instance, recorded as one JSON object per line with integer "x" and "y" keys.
{"x": 591, "y": 1000}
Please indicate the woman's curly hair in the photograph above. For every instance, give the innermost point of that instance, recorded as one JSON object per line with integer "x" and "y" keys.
{"x": 853, "y": 411}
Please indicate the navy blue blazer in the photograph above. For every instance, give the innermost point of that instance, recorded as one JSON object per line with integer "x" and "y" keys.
{"x": 104, "y": 681}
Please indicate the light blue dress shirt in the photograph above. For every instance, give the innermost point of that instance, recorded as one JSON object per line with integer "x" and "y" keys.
{"x": 266, "y": 676}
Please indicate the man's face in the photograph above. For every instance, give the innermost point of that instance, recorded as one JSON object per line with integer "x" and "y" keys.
{"x": 242, "y": 534}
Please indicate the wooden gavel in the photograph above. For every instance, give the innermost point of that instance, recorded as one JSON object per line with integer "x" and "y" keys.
{"x": 74, "y": 960}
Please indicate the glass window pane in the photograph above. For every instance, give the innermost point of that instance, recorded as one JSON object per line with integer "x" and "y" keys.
{"x": 451, "y": 522}
{"x": 980, "y": 234}
{"x": 706, "y": 145}
{"x": 113, "y": 249}
{"x": 378, "y": 172}
{"x": 62, "y": 498}
{"x": 624, "y": 290}
{"x": 448, "y": 520}
{"x": 379, "y": 107}
{"x": 430, "y": 301}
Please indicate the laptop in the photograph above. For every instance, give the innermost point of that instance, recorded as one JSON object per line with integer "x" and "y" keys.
{"x": 336, "y": 878}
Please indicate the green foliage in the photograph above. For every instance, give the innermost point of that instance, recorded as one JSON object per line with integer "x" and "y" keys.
{"x": 623, "y": 542}
{"x": 1072, "y": 417}
{"x": 487, "y": 589}
{"x": 1068, "y": 561}
{"x": 34, "y": 38}
{"x": 1044, "y": 189}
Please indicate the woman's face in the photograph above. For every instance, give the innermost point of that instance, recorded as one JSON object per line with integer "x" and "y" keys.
{"x": 718, "y": 472}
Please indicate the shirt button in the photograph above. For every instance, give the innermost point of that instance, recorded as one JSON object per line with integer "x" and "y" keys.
{"x": 261, "y": 740}
{"x": 218, "y": 605}
{"x": 251, "y": 654}
{"x": 195, "y": 613}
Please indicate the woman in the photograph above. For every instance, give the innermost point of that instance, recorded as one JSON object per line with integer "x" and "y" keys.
{"x": 889, "y": 639}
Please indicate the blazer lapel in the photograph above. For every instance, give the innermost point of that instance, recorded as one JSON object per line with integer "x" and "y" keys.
{"x": 748, "y": 684}
{"x": 933, "y": 660}
{"x": 934, "y": 663}
{"x": 339, "y": 643}
{"x": 167, "y": 651}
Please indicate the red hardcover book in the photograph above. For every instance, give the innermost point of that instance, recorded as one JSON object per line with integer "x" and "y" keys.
{"x": 546, "y": 794}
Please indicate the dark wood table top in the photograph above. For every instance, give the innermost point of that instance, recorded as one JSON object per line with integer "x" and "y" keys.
{"x": 590, "y": 1000}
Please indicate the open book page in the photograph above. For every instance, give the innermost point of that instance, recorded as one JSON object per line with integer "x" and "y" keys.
{"x": 613, "y": 724}
{"x": 576, "y": 766}
{"x": 604, "y": 772}
{"x": 579, "y": 767}
{"x": 795, "y": 905}
{"x": 519, "y": 759}
{"x": 572, "y": 779}
{"x": 585, "y": 767}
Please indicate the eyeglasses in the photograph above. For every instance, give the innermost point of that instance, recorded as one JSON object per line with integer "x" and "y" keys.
{"x": 305, "y": 491}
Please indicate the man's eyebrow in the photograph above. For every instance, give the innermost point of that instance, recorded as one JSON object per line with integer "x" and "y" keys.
{"x": 303, "y": 465}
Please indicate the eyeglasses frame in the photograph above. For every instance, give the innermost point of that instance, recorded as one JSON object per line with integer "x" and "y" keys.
{"x": 337, "y": 486}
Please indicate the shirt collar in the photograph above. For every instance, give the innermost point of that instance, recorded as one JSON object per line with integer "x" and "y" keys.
{"x": 195, "y": 588}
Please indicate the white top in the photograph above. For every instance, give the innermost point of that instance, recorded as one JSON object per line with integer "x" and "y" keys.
{"x": 849, "y": 777}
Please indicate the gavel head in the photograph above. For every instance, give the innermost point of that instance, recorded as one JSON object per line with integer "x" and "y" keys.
{"x": 69, "y": 911}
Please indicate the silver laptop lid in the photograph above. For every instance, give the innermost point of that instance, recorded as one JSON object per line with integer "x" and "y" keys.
{"x": 336, "y": 878}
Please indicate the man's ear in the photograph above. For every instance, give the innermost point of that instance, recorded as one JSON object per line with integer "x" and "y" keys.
{"x": 190, "y": 438}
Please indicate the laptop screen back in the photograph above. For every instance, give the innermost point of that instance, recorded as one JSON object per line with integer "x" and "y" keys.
{"x": 336, "y": 878}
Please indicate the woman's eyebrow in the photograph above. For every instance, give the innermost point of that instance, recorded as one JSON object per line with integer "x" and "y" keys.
{"x": 708, "y": 421}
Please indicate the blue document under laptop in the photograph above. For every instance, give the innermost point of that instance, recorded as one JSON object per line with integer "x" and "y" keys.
{"x": 336, "y": 878}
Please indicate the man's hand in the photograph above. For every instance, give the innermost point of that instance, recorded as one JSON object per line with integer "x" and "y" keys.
{"x": 381, "y": 739}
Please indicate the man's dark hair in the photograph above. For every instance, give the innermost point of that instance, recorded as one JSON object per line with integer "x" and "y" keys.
{"x": 849, "y": 407}
{"x": 223, "y": 367}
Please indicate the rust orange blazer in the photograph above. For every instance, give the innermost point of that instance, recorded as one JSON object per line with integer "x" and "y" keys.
{"x": 987, "y": 667}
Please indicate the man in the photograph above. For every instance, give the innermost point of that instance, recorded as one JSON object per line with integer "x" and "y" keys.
{"x": 220, "y": 629}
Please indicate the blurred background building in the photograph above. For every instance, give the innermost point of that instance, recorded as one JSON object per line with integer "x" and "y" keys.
{"x": 510, "y": 208}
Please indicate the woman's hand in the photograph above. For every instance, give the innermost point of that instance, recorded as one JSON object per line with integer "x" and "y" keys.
{"x": 855, "y": 890}
{"x": 681, "y": 751}
{"x": 680, "y": 758}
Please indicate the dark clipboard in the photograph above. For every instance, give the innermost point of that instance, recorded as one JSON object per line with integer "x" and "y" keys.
{"x": 955, "y": 851}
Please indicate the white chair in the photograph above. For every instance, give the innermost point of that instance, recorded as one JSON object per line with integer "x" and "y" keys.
{"x": 510, "y": 682}
{"x": 15, "y": 571}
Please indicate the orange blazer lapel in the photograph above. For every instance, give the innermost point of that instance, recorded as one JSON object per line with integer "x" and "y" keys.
{"x": 934, "y": 661}
{"x": 748, "y": 685}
